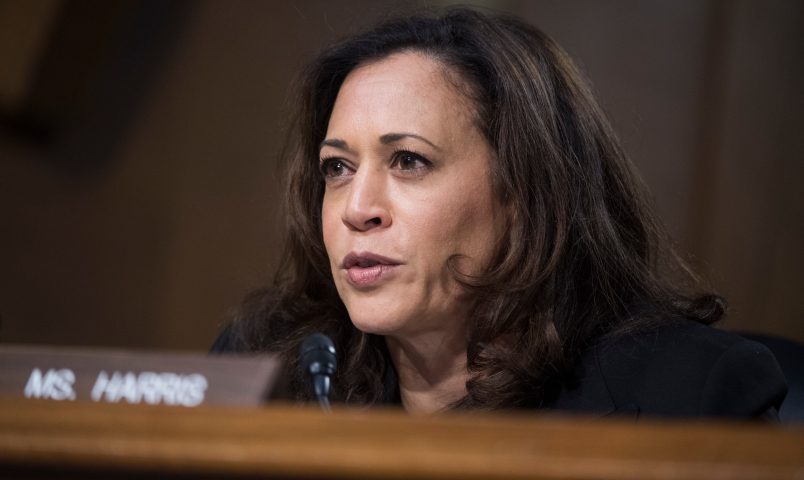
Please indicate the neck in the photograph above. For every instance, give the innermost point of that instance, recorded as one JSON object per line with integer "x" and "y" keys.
{"x": 432, "y": 369}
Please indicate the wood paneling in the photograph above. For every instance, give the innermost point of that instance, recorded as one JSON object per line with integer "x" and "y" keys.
{"x": 156, "y": 249}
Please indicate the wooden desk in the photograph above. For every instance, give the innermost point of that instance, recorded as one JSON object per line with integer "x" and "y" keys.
{"x": 40, "y": 439}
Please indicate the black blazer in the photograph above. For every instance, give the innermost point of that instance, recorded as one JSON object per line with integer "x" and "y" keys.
{"x": 680, "y": 370}
{"x": 683, "y": 369}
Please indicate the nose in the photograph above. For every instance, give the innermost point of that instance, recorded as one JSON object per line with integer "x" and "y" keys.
{"x": 367, "y": 205}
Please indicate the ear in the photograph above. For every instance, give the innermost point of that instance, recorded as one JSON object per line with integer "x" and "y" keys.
{"x": 508, "y": 213}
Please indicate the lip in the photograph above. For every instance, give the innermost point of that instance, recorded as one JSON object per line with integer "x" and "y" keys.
{"x": 367, "y": 269}
{"x": 366, "y": 259}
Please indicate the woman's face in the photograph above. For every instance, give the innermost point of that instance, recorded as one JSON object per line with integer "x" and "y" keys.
{"x": 407, "y": 188}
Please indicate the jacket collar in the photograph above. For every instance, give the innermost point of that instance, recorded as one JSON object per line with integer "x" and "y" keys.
{"x": 587, "y": 392}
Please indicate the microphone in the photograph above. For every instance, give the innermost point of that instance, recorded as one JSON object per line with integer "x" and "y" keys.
{"x": 318, "y": 361}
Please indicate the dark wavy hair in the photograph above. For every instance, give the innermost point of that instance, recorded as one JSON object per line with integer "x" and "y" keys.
{"x": 583, "y": 256}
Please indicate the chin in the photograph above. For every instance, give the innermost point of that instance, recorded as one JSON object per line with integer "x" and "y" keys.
{"x": 374, "y": 325}
{"x": 377, "y": 321}
{"x": 379, "y": 312}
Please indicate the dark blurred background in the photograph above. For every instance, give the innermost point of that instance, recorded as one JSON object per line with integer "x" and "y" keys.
{"x": 139, "y": 144}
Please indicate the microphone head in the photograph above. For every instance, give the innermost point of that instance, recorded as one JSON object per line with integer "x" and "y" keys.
{"x": 318, "y": 355}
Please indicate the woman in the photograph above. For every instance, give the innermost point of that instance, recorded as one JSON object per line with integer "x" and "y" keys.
{"x": 463, "y": 223}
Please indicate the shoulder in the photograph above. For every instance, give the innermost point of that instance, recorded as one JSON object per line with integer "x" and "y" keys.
{"x": 256, "y": 325}
{"x": 225, "y": 343}
{"x": 679, "y": 369}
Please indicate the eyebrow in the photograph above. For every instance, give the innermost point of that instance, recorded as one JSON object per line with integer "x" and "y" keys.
{"x": 385, "y": 139}
{"x": 395, "y": 137}
{"x": 334, "y": 142}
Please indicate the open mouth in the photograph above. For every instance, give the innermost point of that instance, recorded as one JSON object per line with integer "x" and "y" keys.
{"x": 368, "y": 269}
{"x": 366, "y": 260}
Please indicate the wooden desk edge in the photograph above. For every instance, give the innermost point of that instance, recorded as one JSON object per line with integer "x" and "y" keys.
{"x": 288, "y": 441}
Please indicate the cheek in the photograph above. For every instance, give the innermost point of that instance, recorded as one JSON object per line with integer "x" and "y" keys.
{"x": 458, "y": 219}
{"x": 329, "y": 223}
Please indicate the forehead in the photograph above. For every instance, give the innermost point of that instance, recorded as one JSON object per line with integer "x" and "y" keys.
{"x": 401, "y": 92}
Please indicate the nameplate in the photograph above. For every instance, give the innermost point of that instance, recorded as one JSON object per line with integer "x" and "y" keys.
{"x": 112, "y": 376}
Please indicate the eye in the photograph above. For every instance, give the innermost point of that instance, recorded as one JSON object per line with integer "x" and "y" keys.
{"x": 408, "y": 161}
{"x": 333, "y": 168}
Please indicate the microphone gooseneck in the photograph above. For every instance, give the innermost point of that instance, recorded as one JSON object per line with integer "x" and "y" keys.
{"x": 319, "y": 361}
